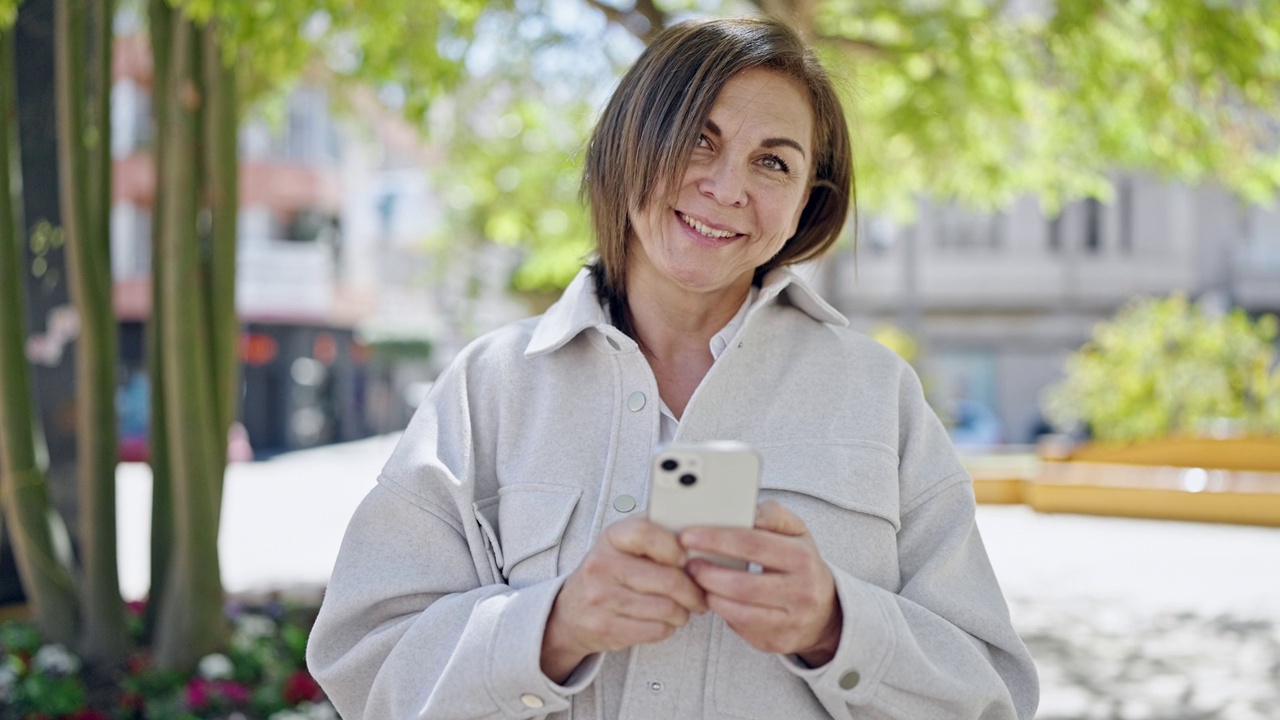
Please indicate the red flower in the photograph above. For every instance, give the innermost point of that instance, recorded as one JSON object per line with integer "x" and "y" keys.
{"x": 132, "y": 702}
{"x": 301, "y": 687}
{"x": 138, "y": 662}
{"x": 88, "y": 714}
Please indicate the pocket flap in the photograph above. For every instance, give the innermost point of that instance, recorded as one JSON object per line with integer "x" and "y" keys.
{"x": 487, "y": 516}
{"x": 531, "y": 518}
{"x": 854, "y": 475}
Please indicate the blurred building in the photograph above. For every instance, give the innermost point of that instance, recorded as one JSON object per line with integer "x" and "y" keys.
{"x": 997, "y": 301}
{"x": 331, "y": 264}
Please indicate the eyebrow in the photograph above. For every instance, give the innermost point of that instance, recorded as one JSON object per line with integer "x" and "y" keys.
{"x": 767, "y": 142}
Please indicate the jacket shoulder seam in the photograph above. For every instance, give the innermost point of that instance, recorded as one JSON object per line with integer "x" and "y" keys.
{"x": 421, "y": 502}
{"x": 934, "y": 490}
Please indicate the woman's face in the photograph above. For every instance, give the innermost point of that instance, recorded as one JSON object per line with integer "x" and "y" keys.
{"x": 741, "y": 196}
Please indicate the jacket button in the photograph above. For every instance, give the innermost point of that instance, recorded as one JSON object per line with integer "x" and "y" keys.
{"x": 636, "y": 401}
{"x": 624, "y": 503}
{"x": 850, "y": 680}
{"x": 531, "y": 701}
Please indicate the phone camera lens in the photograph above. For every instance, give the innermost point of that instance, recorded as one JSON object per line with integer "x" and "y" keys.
{"x": 669, "y": 464}
{"x": 688, "y": 479}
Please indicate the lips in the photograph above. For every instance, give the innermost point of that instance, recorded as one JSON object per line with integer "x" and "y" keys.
{"x": 706, "y": 230}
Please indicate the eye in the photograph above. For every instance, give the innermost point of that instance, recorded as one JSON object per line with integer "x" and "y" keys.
{"x": 773, "y": 162}
{"x": 703, "y": 141}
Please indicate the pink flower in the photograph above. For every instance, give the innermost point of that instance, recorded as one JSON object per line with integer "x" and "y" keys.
{"x": 233, "y": 691}
{"x": 301, "y": 687}
{"x": 197, "y": 695}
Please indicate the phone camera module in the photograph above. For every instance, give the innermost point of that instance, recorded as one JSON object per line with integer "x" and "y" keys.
{"x": 688, "y": 479}
{"x": 670, "y": 464}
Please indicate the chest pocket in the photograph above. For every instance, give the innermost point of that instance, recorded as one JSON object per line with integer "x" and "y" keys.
{"x": 523, "y": 527}
{"x": 847, "y": 495}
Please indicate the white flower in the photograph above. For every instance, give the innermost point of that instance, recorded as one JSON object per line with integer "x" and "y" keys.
{"x": 8, "y": 678}
{"x": 319, "y": 711}
{"x": 308, "y": 711}
{"x": 215, "y": 667}
{"x": 251, "y": 628}
{"x": 55, "y": 659}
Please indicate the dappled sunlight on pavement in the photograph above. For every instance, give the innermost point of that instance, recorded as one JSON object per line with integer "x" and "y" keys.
{"x": 1142, "y": 618}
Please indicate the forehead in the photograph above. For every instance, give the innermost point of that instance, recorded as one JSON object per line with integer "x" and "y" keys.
{"x": 765, "y": 104}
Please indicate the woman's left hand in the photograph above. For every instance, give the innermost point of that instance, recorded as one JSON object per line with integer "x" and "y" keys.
{"x": 792, "y": 606}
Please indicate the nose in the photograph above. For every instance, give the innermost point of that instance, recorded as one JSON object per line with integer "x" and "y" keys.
{"x": 722, "y": 182}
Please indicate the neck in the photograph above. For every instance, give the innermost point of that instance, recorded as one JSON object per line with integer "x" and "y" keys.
{"x": 669, "y": 325}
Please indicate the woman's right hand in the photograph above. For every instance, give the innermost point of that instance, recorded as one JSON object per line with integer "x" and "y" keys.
{"x": 631, "y": 588}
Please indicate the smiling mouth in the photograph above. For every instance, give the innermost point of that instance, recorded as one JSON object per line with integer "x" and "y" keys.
{"x": 704, "y": 230}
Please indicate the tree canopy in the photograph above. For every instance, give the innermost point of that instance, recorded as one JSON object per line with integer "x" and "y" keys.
{"x": 975, "y": 102}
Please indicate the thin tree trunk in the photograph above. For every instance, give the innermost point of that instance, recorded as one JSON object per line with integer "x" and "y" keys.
{"x": 23, "y": 492}
{"x": 221, "y": 193}
{"x": 191, "y": 623}
{"x": 84, "y": 164}
{"x": 161, "y": 27}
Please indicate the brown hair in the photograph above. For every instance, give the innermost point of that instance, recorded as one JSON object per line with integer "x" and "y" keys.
{"x": 648, "y": 130}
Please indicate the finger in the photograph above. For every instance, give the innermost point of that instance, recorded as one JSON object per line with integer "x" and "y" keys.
{"x": 779, "y": 553}
{"x": 775, "y": 517}
{"x": 650, "y": 608}
{"x": 641, "y": 538}
{"x": 644, "y": 576}
{"x": 765, "y": 589}
{"x": 766, "y": 629}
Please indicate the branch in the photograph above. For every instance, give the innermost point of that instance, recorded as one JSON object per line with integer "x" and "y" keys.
{"x": 644, "y": 20}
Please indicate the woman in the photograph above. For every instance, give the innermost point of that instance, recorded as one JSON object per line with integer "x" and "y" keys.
{"x": 503, "y": 567}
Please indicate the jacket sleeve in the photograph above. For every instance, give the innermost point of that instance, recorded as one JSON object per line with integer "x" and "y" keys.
{"x": 943, "y": 645}
{"x": 415, "y": 621}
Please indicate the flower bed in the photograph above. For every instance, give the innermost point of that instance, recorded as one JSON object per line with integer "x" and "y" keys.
{"x": 262, "y": 674}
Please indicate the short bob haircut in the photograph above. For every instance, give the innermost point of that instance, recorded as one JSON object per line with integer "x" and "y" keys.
{"x": 651, "y": 124}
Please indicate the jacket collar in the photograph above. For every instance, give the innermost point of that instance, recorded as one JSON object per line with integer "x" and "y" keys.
{"x": 579, "y": 309}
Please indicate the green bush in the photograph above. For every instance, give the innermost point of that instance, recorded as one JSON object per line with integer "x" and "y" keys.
{"x": 1164, "y": 367}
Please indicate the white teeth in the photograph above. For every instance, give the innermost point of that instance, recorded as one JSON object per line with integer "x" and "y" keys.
{"x": 709, "y": 232}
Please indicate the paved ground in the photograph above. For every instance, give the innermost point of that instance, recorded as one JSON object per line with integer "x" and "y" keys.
{"x": 1127, "y": 618}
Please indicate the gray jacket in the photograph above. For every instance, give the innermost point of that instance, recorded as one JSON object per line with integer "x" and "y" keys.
{"x": 511, "y": 468}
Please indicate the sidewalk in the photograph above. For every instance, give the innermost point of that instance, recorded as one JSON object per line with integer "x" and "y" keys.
{"x": 1126, "y": 618}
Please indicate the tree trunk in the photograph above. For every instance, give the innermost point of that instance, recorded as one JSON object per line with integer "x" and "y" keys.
{"x": 161, "y": 28}
{"x": 85, "y": 164}
{"x": 188, "y": 273}
{"x": 221, "y": 194}
{"x": 23, "y": 492}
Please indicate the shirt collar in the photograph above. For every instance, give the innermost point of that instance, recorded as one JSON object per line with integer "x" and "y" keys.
{"x": 579, "y": 309}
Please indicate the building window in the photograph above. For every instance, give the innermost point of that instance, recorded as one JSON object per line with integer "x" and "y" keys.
{"x": 963, "y": 229}
{"x": 1092, "y": 225}
{"x": 1125, "y": 201}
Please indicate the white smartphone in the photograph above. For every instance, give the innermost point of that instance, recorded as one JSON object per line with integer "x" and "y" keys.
{"x": 707, "y": 484}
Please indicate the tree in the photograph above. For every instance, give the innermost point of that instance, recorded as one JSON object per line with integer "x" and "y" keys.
{"x": 210, "y": 56}
{"x": 83, "y": 92}
{"x": 975, "y": 101}
{"x": 1164, "y": 367}
{"x": 23, "y": 490}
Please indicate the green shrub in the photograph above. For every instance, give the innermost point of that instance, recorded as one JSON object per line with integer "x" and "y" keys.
{"x": 1163, "y": 367}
